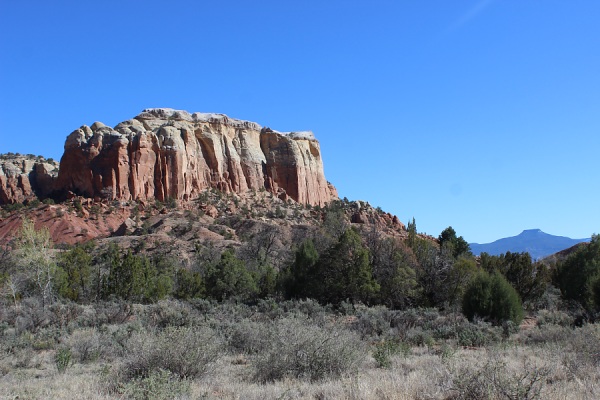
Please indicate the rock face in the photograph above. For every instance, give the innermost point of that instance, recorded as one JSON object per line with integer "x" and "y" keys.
{"x": 25, "y": 178}
{"x": 165, "y": 153}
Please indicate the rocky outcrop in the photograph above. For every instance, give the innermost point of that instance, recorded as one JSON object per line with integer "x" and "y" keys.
{"x": 24, "y": 178}
{"x": 64, "y": 223}
{"x": 165, "y": 153}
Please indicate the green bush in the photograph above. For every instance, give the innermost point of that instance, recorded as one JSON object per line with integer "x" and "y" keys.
{"x": 230, "y": 279}
{"x": 134, "y": 277}
{"x": 73, "y": 276}
{"x": 188, "y": 285}
{"x": 388, "y": 348}
{"x": 493, "y": 298}
{"x": 344, "y": 272}
{"x": 528, "y": 278}
{"x": 578, "y": 276}
{"x": 62, "y": 359}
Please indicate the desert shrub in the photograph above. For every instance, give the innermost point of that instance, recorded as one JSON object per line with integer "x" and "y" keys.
{"x": 414, "y": 317}
{"x": 66, "y": 314}
{"x": 167, "y": 313}
{"x": 114, "y": 339}
{"x": 445, "y": 326}
{"x": 32, "y": 316}
{"x": 580, "y": 353}
{"x": 585, "y": 344}
{"x": 308, "y": 307}
{"x": 87, "y": 317}
{"x": 495, "y": 378}
{"x": 158, "y": 385}
{"x": 184, "y": 351}
{"x": 554, "y": 317}
{"x": 13, "y": 207}
{"x": 45, "y": 339}
{"x": 12, "y": 341}
{"x": 85, "y": 345}
{"x": 548, "y": 334}
{"x": 33, "y": 203}
{"x": 269, "y": 308}
{"x": 419, "y": 337}
{"x": 373, "y": 322}
{"x": 248, "y": 336}
{"x": 23, "y": 358}
{"x": 304, "y": 351}
{"x": 203, "y": 306}
{"x": 477, "y": 334}
{"x": 112, "y": 312}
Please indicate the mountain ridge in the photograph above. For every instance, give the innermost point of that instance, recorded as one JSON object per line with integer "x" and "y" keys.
{"x": 537, "y": 243}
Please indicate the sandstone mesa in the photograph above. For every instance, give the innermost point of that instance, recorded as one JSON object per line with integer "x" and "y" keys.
{"x": 165, "y": 153}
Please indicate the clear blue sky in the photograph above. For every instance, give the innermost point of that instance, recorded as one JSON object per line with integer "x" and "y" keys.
{"x": 483, "y": 115}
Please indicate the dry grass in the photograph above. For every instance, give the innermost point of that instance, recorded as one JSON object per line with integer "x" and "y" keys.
{"x": 422, "y": 375}
{"x": 544, "y": 362}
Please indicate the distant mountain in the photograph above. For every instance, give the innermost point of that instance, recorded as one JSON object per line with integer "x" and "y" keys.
{"x": 533, "y": 241}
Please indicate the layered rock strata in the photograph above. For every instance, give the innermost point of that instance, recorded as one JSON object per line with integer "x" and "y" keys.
{"x": 24, "y": 178}
{"x": 164, "y": 153}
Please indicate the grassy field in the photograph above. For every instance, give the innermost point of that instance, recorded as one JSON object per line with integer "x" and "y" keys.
{"x": 288, "y": 350}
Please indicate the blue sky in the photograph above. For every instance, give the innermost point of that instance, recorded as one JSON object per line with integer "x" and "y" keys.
{"x": 482, "y": 115}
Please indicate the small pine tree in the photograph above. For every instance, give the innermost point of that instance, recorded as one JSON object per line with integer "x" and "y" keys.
{"x": 189, "y": 285}
{"x": 74, "y": 273}
{"x": 457, "y": 244}
{"x": 477, "y": 297}
{"x": 295, "y": 279}
{"x": 506, "y": 303}
{"x": 230, "y": 279}
{"x": 344, "y": 272}
{"x": 411, "y": 227}
{"x": 136, "y": 278}
{"x": 492, "y": 297}
{"x": 576, "y": 275}
{"x": 595, "y": 286}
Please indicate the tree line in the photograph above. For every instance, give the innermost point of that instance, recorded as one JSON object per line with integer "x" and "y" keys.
{"x": 337, "y": 264}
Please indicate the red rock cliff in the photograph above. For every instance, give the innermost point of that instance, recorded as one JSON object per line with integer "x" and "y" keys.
{"x": 25, "y": 178}
{"x": 165, "y": 153}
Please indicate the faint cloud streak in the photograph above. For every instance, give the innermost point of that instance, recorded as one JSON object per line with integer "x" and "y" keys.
{"x": 471, "y": 14}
